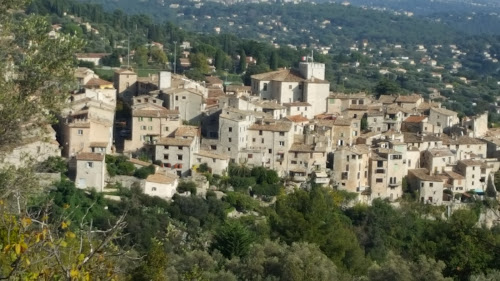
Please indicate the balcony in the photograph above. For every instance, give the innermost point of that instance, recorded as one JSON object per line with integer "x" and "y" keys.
{"x": 394, "y": 184}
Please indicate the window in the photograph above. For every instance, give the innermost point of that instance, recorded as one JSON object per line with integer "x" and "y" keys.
{"x": 260, "y": 133}
{"x": 179, "y": 147}
{"x": 230, "y": 129}
{"x": 90, "y": 164}
{"x": 80, "y": 132}
{"x": 282, "y": 143}
{"x": 143, "y": 127}
{"x": 179, "y": 156}
{"x": 294, "y": 162}
{"x": 379, "y": 180}
{"x": 253, "y": 139}
{"x": 228, "y": 149}
{"x": 431, "y": 184}
{"x": 262, "y": 140}
{"x": 150, "y": 128}
{"x": 282, "y": 134}
{"x": 176, "y": 97}
{"x": 250, "y": 156}
{"x": 380, "y": 164}
{"x": 270, "y": 151}
{"x": 183, "y": 97}
{"x": 289, "y": 87}
{"x": 166, "y": 147}
{"x": 168, "y": 165}
{"x": 165, "y": 156}
{"x": 265, "y": 87}
{"x": 229, "y": 139}
{"x": 153, "y": 188}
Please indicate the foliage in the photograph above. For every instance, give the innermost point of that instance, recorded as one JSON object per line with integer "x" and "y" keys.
{"x": 144, "y": 172}
{"x": 119, "y": 165}
{"x": 53, "y": 164}
{"x": 154, "y": 266}
{"x": 187, "y": 186}
{"x": 233, "y": 240}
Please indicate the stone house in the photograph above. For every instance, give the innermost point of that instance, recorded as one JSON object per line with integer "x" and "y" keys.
{"x": 90, "y": 171}
{"x": 438, "y": 160}
{"x": 387, "y": 169}
{"x": 125, "y": 83}
{"x": 345, "y": 131}
{"x": 476, "y": 174}
{"x": 274, "y": 138}
{"x": 287, "y": 86}
{"x": 177, "y": 154}
{"x": 299, "y": 123}
{"x": 188, "y": 101}
{"x": 150, "y": 121}
{"x": 338, "y": 102}
{"x": 217, "y": 163}
{"x": 442, "y": 119}
{"x": 375, "y": 121}
{"x": 308, "y": 155}
{"x": 299, "y": 108}
{"x": 430, "y": 188}
{"x": 351, "y": 170}
{"x": 161, "y": 185}
{"x": 409, "y": 102}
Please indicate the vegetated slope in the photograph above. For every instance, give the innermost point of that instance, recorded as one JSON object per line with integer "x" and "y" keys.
{"x": 288, "y": 23}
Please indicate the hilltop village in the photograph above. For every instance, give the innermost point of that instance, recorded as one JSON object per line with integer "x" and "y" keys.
{"x": 287, "y": 121}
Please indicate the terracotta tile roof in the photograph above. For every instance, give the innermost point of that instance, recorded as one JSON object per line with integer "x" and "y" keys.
{"x": 301, "y": 147}
{"x": 358, "y": 107}
{"x": 409, "y": 99}
{"x": 422, "y": 174}
{"x": 270, "y": 105}
{"x": 160, "y": 178}
{"x": 284, "y": 75}
{"x": 297, "y": 118}
{"x": 415, "y": 119}
{"x": 213, "y": 80}
{"x": 238, "y": 88}
{"x": 470, "y": 162}
{"x": 414, "y": 138}
{"x": 215, "y": 92}
{"x": 342, "y": 122}
{"x": 273, "y": 126}
{"x": 88, "y": 156}
{"x": 160, "y": 113}
{"x": 460, "y": 140}
{"x": 454, "y": 175}
{"x": 98, "y": 144}
{"x": 187, "y": 131}
{"x": 394, "y": 109}
{"x": 297, "y": 103}
{"x": 97, "y": 82}
{"x": 443, "y": 111}
{"x": 174, "y": 141}
{"x": 386, "y": 99}
{"x": 209, "y": 154}
{"x": 440, "y": 152}
{"x": 347, "y": 96}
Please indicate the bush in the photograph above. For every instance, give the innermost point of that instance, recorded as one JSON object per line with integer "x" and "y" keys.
{"x": 187, "y": 186}
{"x": 203, "y": 168}
{"x": 144, "y": 172}
{"x": 52, "y": 165}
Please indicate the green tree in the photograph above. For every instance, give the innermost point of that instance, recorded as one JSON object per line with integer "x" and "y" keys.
{"x": 233, "y": 240}
{"x": 154, "y": 267}
{"x": 242, "y": 66}
{"x": 158, "y": 55}
{"x": 273, "y": 61}
{"x": 199, "y": 62}
{"x": 220, "y": 60}
{"x": 141, "y": 56}
{"x": 386, "y": 87}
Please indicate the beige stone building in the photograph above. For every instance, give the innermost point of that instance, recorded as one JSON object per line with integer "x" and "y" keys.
{"x": 90, "y": 171}
{"x": 345, "y": 131}
{"x": 438, "y": 160}
{"x": 386, "y": 173}
{"x": 351, "y": 170}
{"x": 163, "y": 185}
{"x": 286, "y": 86}
{"x": 217, "y": 163}
{"x": 409, "y": 102}
{"x": 125, "y": 83}
{"x": 430, "y": 188}
{"x": 339, "y": 102}
{"x": 87, "y": 126}
{"x": 442, "y": 119}
{"x": 476, "y": 174}
{"x": 308, "y": 154}
{"x": 150, "y": 121}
